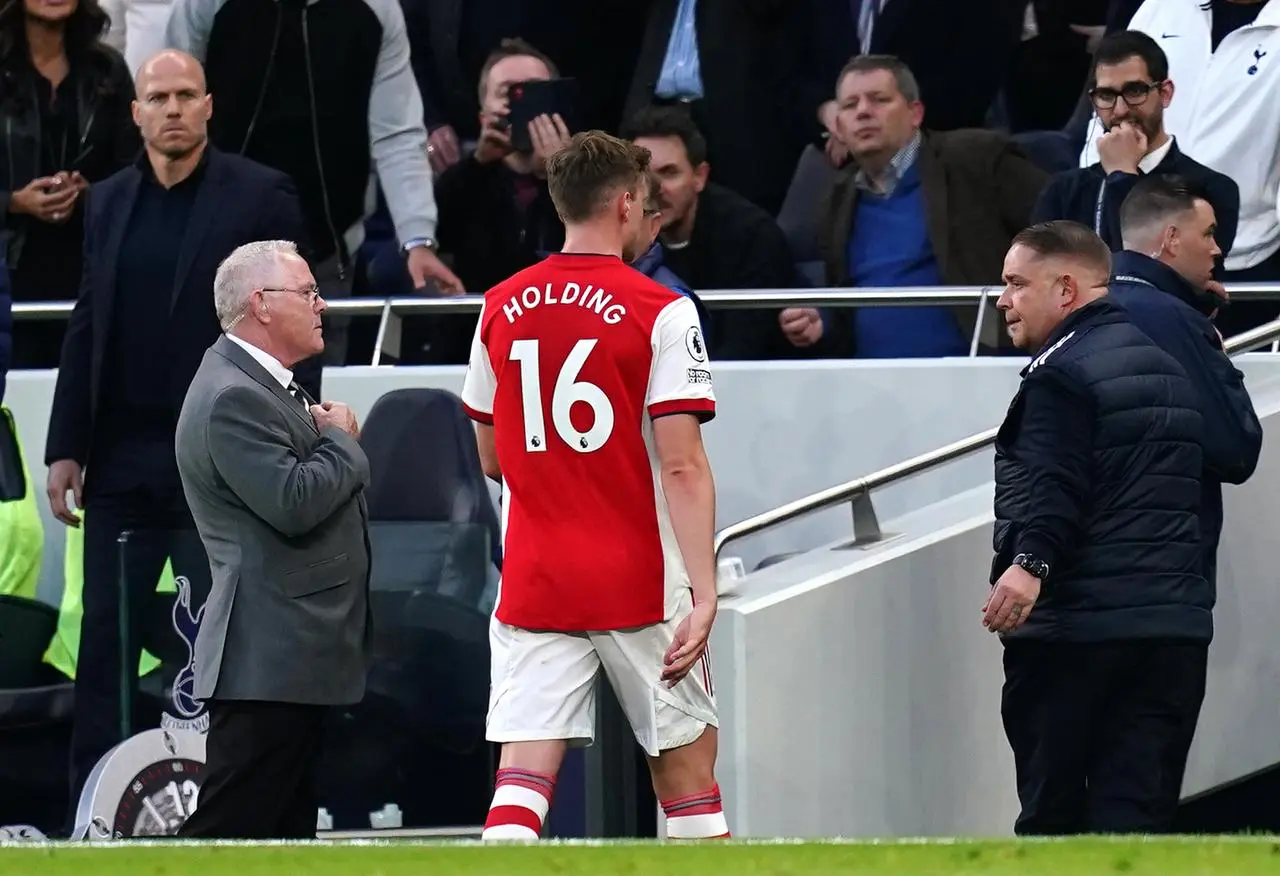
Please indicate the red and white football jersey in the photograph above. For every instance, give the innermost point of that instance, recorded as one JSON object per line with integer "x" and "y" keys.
{"x": 571, "y": 361}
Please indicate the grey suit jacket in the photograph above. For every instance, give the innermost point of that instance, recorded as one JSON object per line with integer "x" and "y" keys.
{"x": 280, "y": 508}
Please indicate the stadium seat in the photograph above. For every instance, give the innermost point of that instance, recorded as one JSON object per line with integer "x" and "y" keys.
{"x": 26, "y": 628}
{"x": 433, "y": 532}
{"x": 424, "y": 463}
{"x": 417, "y": 737}
{"x": 801, "y": 210}
{"x": 36, "y": 704}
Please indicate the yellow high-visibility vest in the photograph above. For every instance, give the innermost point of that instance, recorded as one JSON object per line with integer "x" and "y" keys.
{"x": 21, "y": 533}
{"x": 64, "y": 650}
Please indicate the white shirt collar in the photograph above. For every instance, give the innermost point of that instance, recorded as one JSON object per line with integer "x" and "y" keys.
{"x": 1152, "y": 159}
{"x": 283, "y": 375}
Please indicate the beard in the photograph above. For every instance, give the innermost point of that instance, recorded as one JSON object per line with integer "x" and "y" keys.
{"x": 1148, "y": 125}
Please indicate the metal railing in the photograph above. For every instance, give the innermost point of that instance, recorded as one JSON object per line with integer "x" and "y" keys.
{"x": 715, "y": 299}
{"x": 866, "y": 526}
{"x": 388, "y": 310}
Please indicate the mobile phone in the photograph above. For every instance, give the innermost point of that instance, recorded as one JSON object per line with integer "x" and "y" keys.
{"x": 537, "y": 97}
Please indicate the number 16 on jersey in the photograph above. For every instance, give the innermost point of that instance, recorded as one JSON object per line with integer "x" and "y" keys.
{"x": 568, "y": 391}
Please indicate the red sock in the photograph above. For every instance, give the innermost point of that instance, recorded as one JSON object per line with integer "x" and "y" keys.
{"x": 521, "y": 799}
{"x": 697, "y": 816}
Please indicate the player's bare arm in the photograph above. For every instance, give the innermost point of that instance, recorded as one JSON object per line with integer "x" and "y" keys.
{"x": 690, "y": 491}
{"x": 487, "y": 446}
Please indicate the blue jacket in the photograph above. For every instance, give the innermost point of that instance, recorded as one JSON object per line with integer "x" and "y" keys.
{"x": 1169, "y": 311}
{"x": 650, "y": 264}
{"x": 6, "y": 324}
{"x": 1097, "y": 473}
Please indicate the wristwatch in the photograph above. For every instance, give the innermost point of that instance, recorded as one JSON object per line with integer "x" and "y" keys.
{"x": 428, "y": 242}
{"x": 1037, "y": 567}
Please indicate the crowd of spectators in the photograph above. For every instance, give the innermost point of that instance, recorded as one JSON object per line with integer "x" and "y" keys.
{"x": 781, "y": 162}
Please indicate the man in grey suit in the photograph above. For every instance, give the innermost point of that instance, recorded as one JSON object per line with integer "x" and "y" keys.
{"x": 275, "y": 483}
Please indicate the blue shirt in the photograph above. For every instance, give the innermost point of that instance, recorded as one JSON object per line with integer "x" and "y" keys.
{"x": 681, "y": 74}
{"x": 890, "y": 247}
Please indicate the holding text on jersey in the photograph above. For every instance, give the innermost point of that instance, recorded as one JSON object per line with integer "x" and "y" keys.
{"x": 592, "y": 297}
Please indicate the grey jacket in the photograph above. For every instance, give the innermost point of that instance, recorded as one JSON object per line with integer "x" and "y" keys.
{"x": 281, "y": 511}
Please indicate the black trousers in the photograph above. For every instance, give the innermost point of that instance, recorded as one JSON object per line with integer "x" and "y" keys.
{"x": 159, "y": 527}
{"x": 260, "y": 763}
{"x": 1100, "y": 733}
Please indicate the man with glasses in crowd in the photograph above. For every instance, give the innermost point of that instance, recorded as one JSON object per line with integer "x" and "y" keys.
{"x": 1131, "y": 90}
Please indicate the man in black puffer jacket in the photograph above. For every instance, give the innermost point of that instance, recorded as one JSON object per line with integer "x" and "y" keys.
{"x": 1097, "y": 506}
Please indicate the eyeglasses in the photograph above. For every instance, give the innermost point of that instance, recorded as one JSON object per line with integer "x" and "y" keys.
{"x": 311, "y": 293}
{"x": 1133, "y": 93}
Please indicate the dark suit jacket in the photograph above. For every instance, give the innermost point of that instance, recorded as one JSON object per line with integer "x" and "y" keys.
{"x": 958, "y": 51}
{"x": 1073, "y": 194}
{"x": 581, "y": 36}
{"x": 239, "y": 201}
{"x": 737, "y": 245}
{"x": 281, "y": 511}
{"x": 1119, "y": 14}
{"x": 979, "y": 190}
{"x": 749, "y": 56}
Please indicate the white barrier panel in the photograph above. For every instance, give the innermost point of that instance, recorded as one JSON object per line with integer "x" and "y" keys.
{"x": 784, "y": 430}
{"x": 861, "y": 695}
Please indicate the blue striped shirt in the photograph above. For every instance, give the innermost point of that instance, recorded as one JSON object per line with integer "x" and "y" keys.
{"x": 681, "y": 75}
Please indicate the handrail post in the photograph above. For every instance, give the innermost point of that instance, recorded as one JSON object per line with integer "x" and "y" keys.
{"x": 866, "y": 526}
{"x": 382, "y": 332}
{"x": 977, "y": 324}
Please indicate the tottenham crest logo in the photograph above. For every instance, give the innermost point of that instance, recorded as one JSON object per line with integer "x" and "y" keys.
{"x": 191, "y": 714}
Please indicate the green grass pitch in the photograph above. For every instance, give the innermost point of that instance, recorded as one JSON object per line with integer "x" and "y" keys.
{"x": 1176, "y": 856}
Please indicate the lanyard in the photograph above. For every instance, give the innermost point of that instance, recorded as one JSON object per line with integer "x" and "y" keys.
{"x": 1097, "y": 208}
{"x": 1129, "y": 278}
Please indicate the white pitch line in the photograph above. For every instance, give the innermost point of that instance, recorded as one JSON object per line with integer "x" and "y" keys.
{"x": 1192, "y": 840}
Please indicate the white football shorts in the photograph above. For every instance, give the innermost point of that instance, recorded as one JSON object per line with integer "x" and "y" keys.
{"x": 544, "y": 685}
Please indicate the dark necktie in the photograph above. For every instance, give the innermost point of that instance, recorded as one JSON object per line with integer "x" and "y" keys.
{"x": 301, "y": 395}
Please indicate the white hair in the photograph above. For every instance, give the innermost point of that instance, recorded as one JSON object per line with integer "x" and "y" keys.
{"x": 249, "y": 267}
